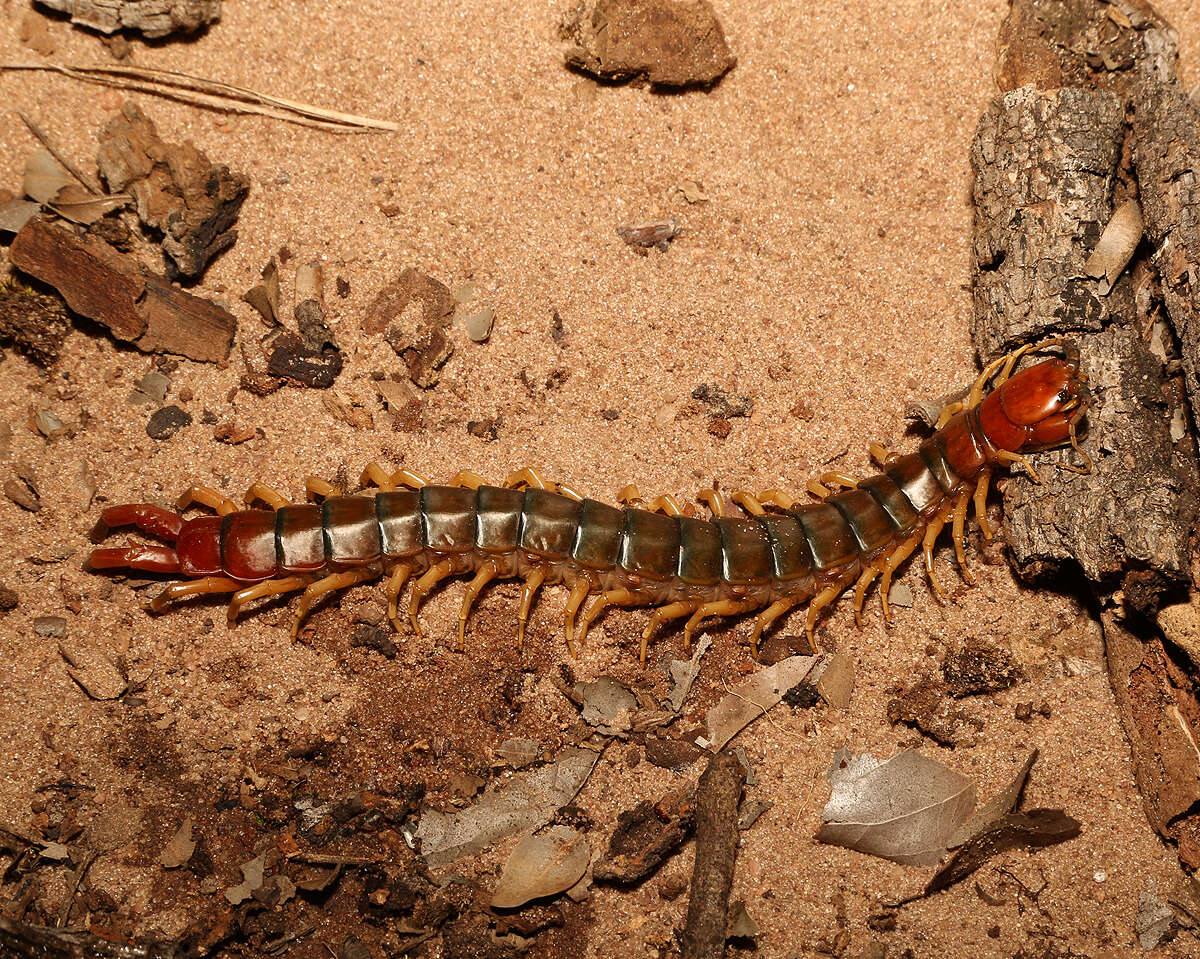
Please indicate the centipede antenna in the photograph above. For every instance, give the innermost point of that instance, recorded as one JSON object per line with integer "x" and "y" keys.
{"x": 1088, "y": 463}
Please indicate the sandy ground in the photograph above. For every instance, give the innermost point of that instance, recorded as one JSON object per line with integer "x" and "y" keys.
{"x": 827, "y": 269}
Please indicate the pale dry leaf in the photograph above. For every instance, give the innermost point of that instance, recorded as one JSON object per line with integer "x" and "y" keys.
{"x": 1001, "y": 804}
{"x": 905, "y": 808}
{"x": 518, "y": 752}
{"x": 252, "y": 879}
{"x": 94, "y": 672}
{"x": 76, "y": 204}
{"x": 684, "y": 673}
{"x": 16, "y": 213}
{"x": 739, "y": 924}
{"x": 754, "y": 697}
{"x": 179, "y": 848}
{"x": 542, "y": 865}
{"x": 526, "y": 801}
{"x": 1115, "y": 247}
{"x": 44, "y": 177}
{"x": 606, "y": 704}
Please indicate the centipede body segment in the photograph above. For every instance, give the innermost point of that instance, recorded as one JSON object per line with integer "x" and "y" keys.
{"x": 779, "y": 555}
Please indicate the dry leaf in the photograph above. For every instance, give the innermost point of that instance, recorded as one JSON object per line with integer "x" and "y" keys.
{"x": 525, "y": 802}
{"x": 693, "y": 192}
{"x": 1115, "y": 246}
{"x": 684, "y": 673}
{"x": 76, "y": 204}
{"x": 252, "y": 879}
{"x": 904, "y": 809}
{"x": 542, "y": 865}
{"x": 94, "y": 672}
{"x": 44, "y": 177}
{"x": 606, "y": 704}
{"x": 16, "y": 213}
{"x": 180, "y": 847}
{"x": 739, "y": 924}
{"x": 518, "y": 752}
{"x": 753, "y": 698}
{"x": 1001, "y": 804}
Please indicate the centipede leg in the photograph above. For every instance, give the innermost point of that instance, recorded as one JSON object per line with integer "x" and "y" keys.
{"x": 720, "y": 607}
{"x": 748, "y": 501}
{"x": 820, "y": 487}
{"x": 882, "y": 455}
{"x": 776, "y": 497}
{"x": 271, "y": 587}
{"x": 206, "y": 496}
{"x": 395, "y": 585}
{"x": 261, "y": 493}
{"x": 960, "y": 519}
{"x": 631, "y": 496}
{"x": 894, "y": 559}
{"x": 664, "y": 614}
{"x": 819, "y": 602}
{"x": 407, "y": 478}
{"x": 610, "y": 597}
{"x": 317, "y": 488}
{"x": 430, "y": 578}
{"x": 932, "y": 531}
{"x": 860, "y": 592}
{"x": 484, "y": 575}
{"x": 713, "y": 500}
{"x": 768, "y": 616}
{"x": 194, "y": 587}
{"x": 580, "y": 590}
{"x": 1004, "y": 456}
{"x": 981, "y": 491}
{"x": 466, "y": 479}
{"x": 526, "y": 476}
{"x": 533, "y": 582}
{"x": 329, "y": 584}
{"x": 377, "y": 475}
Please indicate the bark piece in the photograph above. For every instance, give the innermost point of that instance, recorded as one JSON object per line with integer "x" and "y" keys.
{"x": 114, "y": 290}
{"x": 1166, "y": 156}
{"x": 1045, "y": 166}
{"x": 1137, "y": 509}
{"x": 718, "y": 795}
{"x": 151, "y": 18}
{"x": 645, "y": 838}
{"x": 670, "y": 43}
{"x": 1084, "y": 43}
{"x": 179, "y": 192}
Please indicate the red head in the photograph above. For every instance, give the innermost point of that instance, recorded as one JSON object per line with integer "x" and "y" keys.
{"x": 1036, "y": 408}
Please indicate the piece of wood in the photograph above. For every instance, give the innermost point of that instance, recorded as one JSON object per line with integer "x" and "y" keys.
{"x": 717, "y": 797}
{"x": 151, "y": 18}
{"x": 113, "y": 289}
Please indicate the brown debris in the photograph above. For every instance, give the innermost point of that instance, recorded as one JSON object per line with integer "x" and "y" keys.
{"x": 925, "y": 708}
{"x": 433, "y": 300}
{"x": 980, "y": 667}
{"x": 35, "y": 323}
{"x": 669, "y": 43}
{"x": 179, "y": 192}
{"x": 114, "y": 290}
{"x": 654, "y": 235}
{"x": 151, "y": 18}
{"x": 645, "y": 838}
{"x": 166, "y": 422}
{"x": 264, "y": 296}
{"x": 718, "y": 796}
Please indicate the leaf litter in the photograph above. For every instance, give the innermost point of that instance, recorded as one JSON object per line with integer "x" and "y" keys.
{"x": 542, "y": 865}
{"x": 764, "y": 689}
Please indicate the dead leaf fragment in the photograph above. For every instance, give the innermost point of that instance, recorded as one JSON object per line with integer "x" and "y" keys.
{"x": 739, "y": 924}
{"x": 541, "y": 866}
{"x": 179, "y": 848}
{"x": 518, "y": 752}
{"x": 693, "y": 192}
{"x": 905, "y": 808}
{"x": 1116, "y": 245}
{"x": 753, "y": 698}
{"x": 94, "y": 672}
{"x": 606, "y": 704}
{"x": 1001, "y": 804}
{"x": 684, "y": 673}
{"x": 657, "y": 234}
{"x": 252, "y": 880}
{"x": 16, "y": 213}
{"x": 44, "y": 177}
{"x": 47, "y": 183}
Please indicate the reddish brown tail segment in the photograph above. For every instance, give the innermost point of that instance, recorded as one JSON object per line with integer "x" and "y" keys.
{"x": 770, "y": 560}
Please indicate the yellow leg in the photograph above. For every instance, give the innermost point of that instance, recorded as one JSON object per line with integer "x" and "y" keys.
{"x": 206, "y": 496}
{"x": 713, "y": 500}
{"x": 749, "y": 502}
{"x": 960, "y": 519}
{"x": 819, "y": 602}
{"x": 533, "y": 582}
{"x": 329, "y": 584}
{"x": 395, "y": 584}
{"x": 404, "y": 477}
{"x": 261, "y": 493}
{"x": 860, "y": 592}
{"x": 720, "y": 607}
{"x": 430, "y": 578}
{"x": 526, "y": 476}
{"x": 318, "y": 488}
{"x": 376, "y": 475}
{"x": 484, "y": 575}
{"x": 947, "y": 414}
{"x": 579, "y": 592}
{"x": 817, "y": 490}
{"x": 568, "y": 491}
{"x": 662, "y": 615}
{"x": 931, "y": 534}
{"x": 1004, "y": 456}
{"x": 466, "y": 479}
{"x": 776, "y": 497}
{"x": 271, "y": 587}
{"x": 630, "y": 496}
{"x": 610, "y": 597}
{"x": 820, "y": 488}
{"x": 768, "y": 616}
{"x": 882, "y": 455}
{"x": 894, "y": 559}
{"x": 981, "y": 491}
{"x": 194, "y": 587}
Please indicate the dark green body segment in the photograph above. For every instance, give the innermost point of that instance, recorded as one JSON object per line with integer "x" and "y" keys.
{"x": 700, "y": 556}
{"x": 398, "y": 512}
{"x": 933, "y": 452}
{"x": 829, "y": 536}
{"x": 448, "y": 513}
{"x": 351, "y": 529}
{"x": 299, "y": 538}
{"x": 498, "y": 518}
{"x": 866, "y": 518}
{"x": 745, "y": 551}
{"x": 549, "y": 522}
{"x": 598, "y": 542}
{"x": 920, "y": 487}
{"x": 791, "y": 557}
{"x": 892, "y": 500}
{"x": 650, "y": 546}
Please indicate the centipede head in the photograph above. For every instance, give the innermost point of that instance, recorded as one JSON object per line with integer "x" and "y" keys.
{"x": 1038, "y": 407}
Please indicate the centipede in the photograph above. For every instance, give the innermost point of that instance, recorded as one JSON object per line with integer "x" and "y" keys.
{"x": 776, "y": 555}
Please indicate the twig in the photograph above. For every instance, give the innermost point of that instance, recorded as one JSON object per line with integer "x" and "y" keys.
{"x": 55, "y": 152}
{"x": 276, "y": 945}
{"x": 213, "y": 94}
{"x": 717, "y": 797}
{"x": 408, "y": 947}
{"x": 84, "y": 866}
{"x": 324, "y": 859}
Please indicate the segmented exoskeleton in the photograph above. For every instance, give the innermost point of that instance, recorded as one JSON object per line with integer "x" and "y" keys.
{"x": 779, "y": 555}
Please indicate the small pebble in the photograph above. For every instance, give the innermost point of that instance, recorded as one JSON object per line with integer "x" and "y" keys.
{"x": 479, "y": 325}
{"x": 52, "y": 626}
{"x": 166, "y": 422}
{"x": 8, "y": 598}
{"x": 22, "y": 494}
{"x": 48, "y": 424}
